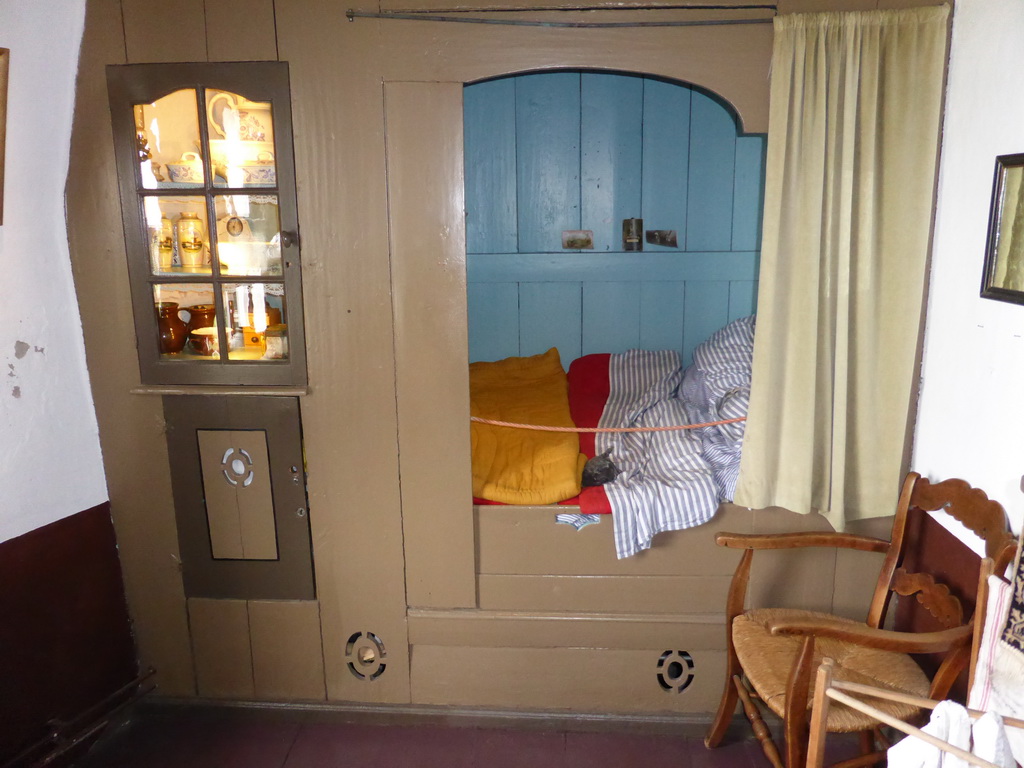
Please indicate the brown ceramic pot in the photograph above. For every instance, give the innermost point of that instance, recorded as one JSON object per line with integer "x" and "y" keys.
{"x": 200, "y": 316}
{"x": 173, "y": 333}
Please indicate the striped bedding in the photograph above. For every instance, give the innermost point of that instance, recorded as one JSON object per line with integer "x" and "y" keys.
{"x": 675, "y": 479}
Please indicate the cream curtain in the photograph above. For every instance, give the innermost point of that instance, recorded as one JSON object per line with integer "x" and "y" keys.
{"x": 852, "y": 147}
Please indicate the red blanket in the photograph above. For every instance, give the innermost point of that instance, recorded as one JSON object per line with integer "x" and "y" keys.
{"x": 588, "y": 392}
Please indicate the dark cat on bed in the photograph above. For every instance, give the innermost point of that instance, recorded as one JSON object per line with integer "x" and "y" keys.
{"x": 599, "y": 470}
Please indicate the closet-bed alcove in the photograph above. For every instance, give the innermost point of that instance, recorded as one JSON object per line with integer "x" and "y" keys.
{"x": 420, "y": 148}
{"x": 554, "y": 618}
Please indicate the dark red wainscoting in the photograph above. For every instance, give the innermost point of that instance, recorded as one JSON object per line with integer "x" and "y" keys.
{"x": 65, "y": 637}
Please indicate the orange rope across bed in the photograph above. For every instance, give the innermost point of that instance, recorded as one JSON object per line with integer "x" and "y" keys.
{"x": 512, "y": 424}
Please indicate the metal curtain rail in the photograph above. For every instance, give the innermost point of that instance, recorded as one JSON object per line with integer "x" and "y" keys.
{"x": 546, "y": 8}
{"x": 352, "y": 15}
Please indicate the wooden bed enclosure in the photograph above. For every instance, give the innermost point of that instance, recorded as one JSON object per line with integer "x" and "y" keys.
{"x": 421, "y": 599}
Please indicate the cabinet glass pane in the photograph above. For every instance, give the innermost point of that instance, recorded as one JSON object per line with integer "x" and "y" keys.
{"x": 185, "y": 217}
{"x": 167, "y": 137}
{"x": 257, "y": 322}
{"x": 248, "y": 235}
{"x": 241, "y": 140}
{"x": 186, "y": 321}
{"x": 177, "y": 234}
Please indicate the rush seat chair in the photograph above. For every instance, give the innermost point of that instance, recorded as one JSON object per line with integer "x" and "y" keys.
{"x": 773, "y": 653}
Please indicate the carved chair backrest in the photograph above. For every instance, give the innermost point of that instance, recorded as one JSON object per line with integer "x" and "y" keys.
{"x": 906, "y": 571}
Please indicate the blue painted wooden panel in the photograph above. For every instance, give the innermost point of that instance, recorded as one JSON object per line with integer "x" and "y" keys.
{"x": 489, "y": 126}
{"x": 748, "y": 198}
{"x": 712, "y": 160}
{"x": 742, "y": 299}
{"x": 580, "y": 267}
{"x": 547, "y": 158}
{"x": 611, "y": 317}
{"x": 666, "y": 158}
{"x": 555, "y": 151}
{"x": 493, "y": 310}
{"x": 662, "y": 307}
{"x": 707, "y": 310}
{"x": 550, "y": 317}
{"x": 610, "y": 155}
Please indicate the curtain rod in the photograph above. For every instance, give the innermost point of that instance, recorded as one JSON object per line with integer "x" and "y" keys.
{"x": 353, "y": 15}
{"x": 545, "y": 8}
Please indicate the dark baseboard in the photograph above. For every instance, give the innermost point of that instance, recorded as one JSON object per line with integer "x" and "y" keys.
{"x": 64, "y": 628}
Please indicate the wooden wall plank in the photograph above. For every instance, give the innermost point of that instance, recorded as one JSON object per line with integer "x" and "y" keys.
{"x": 220, "y": 645}
{"x": 490, "y": 149}
{"x": 548, "y": 158}
{"x": 712, "y": 160}
{"x": 428, "y": 248}
{"x": 611, "y": 317}
{"x": 350, "y": 418}
{"x": 611, "y": 137}
{"x": 526, "y": 540}
{"x": 578, "y": 679}
{"x": 707, "y": 310}
{"x": 662, "y": 312}
{"x": 604, "y": 594}
{"x": 493, "y": 311}
{"x": 174, "y": 30}
{"x": 131, "y": 428}
{"x": 287, "y": 653}
{"x": 241, "y": 30}
{"x": 550, "y": 316}
{"x": 532, "y": 629}
{"x": 611, "y": 267}
{"x": 742, "y": 299}
{"x": 748, "y": 194}
{"x": 666, "y": 157}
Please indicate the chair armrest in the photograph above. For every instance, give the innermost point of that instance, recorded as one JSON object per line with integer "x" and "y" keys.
{"x": 801, "y": 540}
{"x": 883, "y": 639}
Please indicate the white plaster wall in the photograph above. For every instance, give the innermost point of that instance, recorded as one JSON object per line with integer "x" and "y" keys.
{"x": 971, "y": 418}
{"x": 50, "y": 463}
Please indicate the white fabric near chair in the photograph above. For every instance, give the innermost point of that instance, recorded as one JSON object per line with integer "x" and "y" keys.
{"x": 999, "y": 674}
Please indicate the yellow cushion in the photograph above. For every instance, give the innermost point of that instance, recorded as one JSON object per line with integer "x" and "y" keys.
{"x": 521, "y": 466}
{"x": 767, "y": 660}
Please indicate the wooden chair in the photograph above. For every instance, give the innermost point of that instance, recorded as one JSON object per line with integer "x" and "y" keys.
{"x": 772, "y": 653}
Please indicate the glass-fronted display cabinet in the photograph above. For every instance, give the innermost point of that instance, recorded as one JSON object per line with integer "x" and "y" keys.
{"x": 207, "y": 183}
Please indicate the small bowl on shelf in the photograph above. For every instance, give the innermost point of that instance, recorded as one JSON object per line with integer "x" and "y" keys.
{"x": 204, "y": 341}
{"x": 188, "y": 170}
{"x": 262, "y": 173}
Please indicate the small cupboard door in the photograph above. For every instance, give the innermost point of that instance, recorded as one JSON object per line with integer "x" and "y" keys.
{"x": 207, "y": 183}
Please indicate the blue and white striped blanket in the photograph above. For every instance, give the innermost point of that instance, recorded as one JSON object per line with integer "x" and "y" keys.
{"x": 675, "y": 479}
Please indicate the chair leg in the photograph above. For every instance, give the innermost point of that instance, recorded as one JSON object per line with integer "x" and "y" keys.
{"x": 797, "y": 690}
{"x": 726, "y": 708}
{"x": 757, "y": 723}
{"x": 733, "y": 608}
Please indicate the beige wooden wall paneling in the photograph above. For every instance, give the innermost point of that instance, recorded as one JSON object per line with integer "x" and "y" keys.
{"x": 351, "y": 427}
{"x": 428, "y": 266}
{"x": 241, "y": 30}
{"x": 131, "y": 428}
{"x": 287, "y": 652}
{"x": 171, "y": 30}
{"x": 520, "y": 629}
{"x": 732, "y": 61}
{"x": 349, "y": 417}
{"x": 599, "y": 594}
{"x": 222, "y": 649}
{"x": 578, "y": 679}
{"x": 516, "y": 541}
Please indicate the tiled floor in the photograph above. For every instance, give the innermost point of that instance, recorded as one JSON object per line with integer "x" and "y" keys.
{"x": 173, "y": 736}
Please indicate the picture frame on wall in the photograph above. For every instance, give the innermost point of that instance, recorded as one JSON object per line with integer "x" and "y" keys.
{"x": 1003, "y": 277}
{"x": 5, "y": 56}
